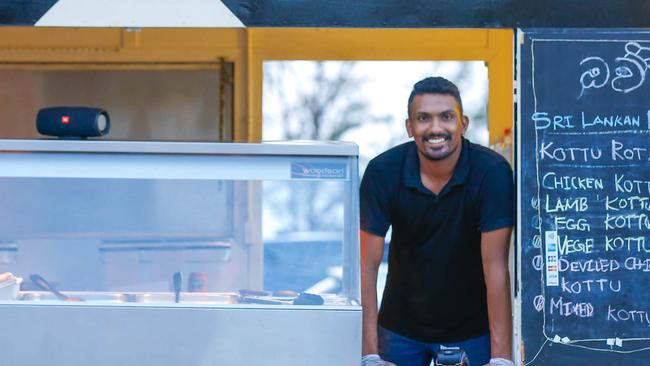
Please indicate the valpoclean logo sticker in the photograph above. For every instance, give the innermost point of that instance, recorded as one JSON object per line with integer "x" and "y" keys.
{"x": 318, "y": 171}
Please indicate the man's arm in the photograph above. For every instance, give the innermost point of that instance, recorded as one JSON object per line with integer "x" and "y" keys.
{"x": 494, "y": 252}
{"x": 372, "y": 249}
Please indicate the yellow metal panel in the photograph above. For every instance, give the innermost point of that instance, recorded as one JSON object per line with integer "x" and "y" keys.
{"x": 241, "y": 132}
{"x": 501, "y": 83}
{"x": 67, "y": 38}
{"x": 254, "y": 90}
{"x": 194, "y": 38}
{"x": 44, "y": 48}
{"x": 369, "y": 44}
{"x": 159, "y": 48}
{"x": 108, "y": 66}
{"x": 20, "y": 44}
{"x": 491, "y": 45}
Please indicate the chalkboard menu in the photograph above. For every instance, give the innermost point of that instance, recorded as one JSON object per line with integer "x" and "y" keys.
{"x": 584, "y": 203}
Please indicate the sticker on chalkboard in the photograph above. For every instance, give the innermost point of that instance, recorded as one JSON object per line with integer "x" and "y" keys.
{"x": 552, "y": 260}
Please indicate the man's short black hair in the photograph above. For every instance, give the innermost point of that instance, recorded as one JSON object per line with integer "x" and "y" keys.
{"x": 435, "y": 85}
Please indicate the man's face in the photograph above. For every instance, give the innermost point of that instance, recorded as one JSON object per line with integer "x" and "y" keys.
{"x": 436, "y": 124}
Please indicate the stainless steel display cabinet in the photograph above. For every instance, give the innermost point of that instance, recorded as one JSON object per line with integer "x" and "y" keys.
{"x": 173, "y": 253}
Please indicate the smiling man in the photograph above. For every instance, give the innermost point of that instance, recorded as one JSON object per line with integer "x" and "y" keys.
{"x": 450, "y": 205}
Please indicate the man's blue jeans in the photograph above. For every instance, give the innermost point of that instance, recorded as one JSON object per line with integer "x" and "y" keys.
{"x": 404, "y": 351}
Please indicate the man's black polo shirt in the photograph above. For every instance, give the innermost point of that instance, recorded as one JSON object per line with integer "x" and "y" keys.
{"x": 435, "y": 290}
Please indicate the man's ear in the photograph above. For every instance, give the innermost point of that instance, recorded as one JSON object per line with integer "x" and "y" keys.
{"x": 408, "y": 128}
{"x": 465, "y": 123}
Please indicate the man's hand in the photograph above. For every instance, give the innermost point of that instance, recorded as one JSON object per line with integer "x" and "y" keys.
{"x": 500, "y": 362}
{"x": 374, "y": 360}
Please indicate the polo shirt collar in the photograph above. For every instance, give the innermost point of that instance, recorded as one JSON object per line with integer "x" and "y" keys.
{"x": 412, "y": 168}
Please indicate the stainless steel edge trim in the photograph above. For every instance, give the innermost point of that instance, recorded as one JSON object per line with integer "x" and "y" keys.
{"x": 315, "y": 148}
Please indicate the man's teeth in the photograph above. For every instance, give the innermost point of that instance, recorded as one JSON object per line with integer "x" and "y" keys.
{"x": 437, "y": 140}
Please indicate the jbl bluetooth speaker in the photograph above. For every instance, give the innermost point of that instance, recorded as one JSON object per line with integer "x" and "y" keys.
{"x": 73, "y": 122}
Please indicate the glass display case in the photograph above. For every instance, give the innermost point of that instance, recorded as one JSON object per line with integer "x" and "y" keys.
{"x": 180, "y": 253}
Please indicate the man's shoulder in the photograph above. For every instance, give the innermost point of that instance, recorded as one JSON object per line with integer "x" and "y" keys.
{"x": 392, "y": 158}
{"x": 389, "y": 165}
{"x": 484, "y": 159}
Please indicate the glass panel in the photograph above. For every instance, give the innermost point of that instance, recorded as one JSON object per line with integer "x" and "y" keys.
{"x": 106, "y": 208}
{"x": 265, "y": 229}
{"x": 119, "y": 234}
{"x": 303, "y": 236}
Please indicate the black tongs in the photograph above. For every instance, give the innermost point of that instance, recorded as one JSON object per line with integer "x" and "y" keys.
{"x": 43, "y": 284}
{"x": 265, "y": 298}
